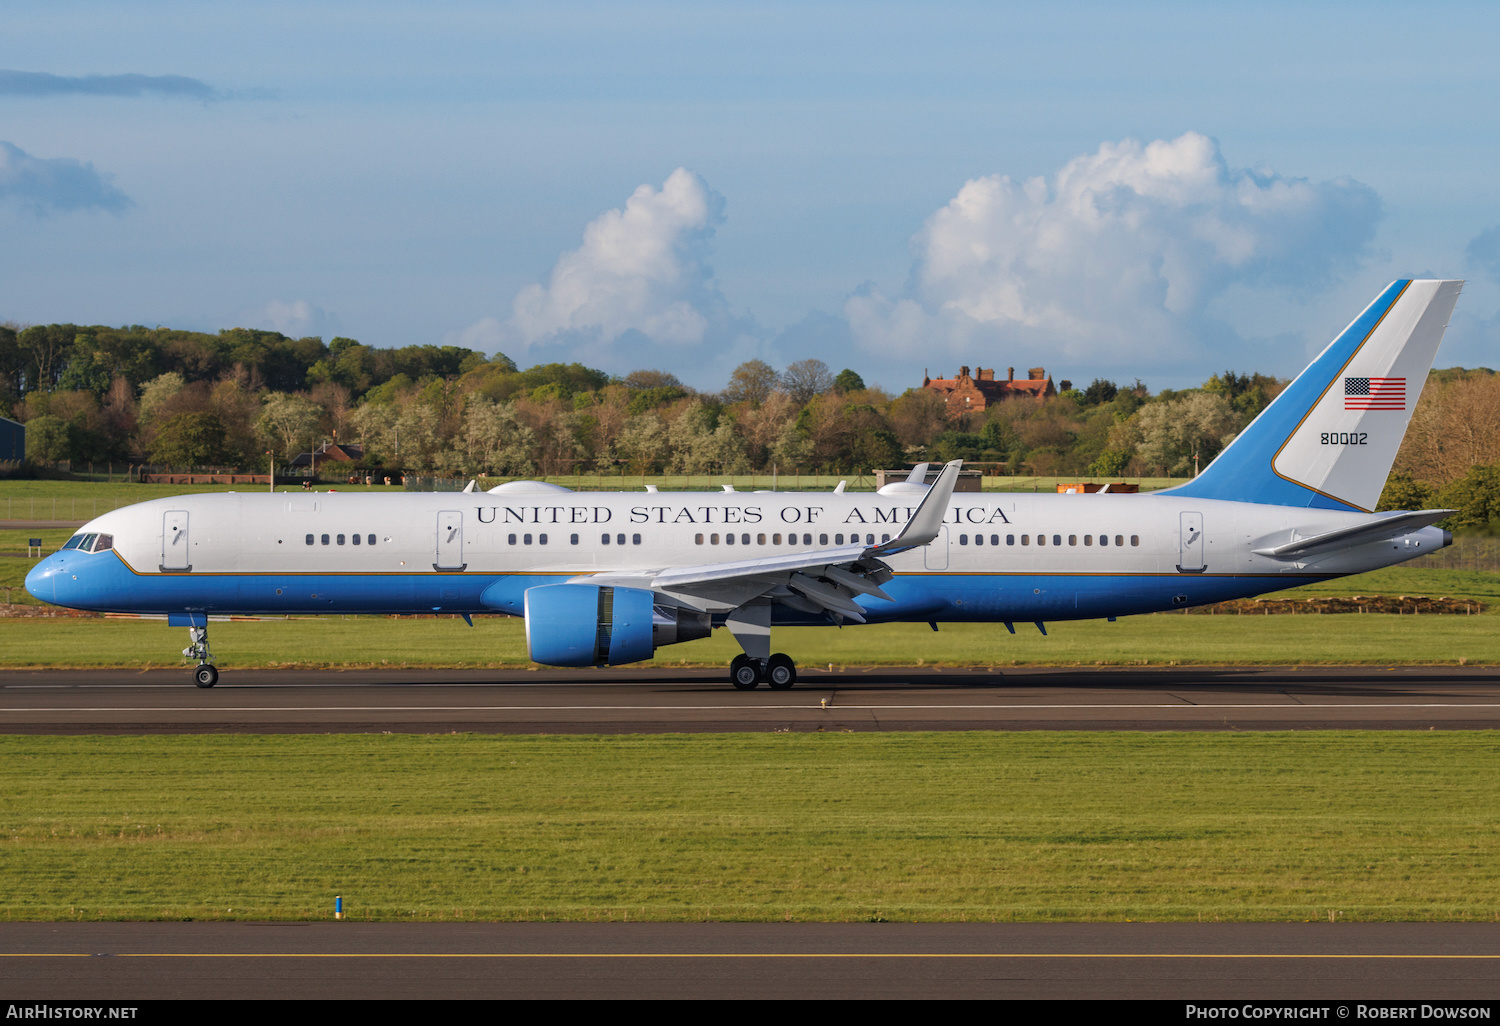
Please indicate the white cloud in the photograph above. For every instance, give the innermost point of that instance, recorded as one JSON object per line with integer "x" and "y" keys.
{"x": 55, "y": 184}
{"x": 296, "y": 319}
{"x": 1125, "y": 247}
{"x": 641, "y": 269}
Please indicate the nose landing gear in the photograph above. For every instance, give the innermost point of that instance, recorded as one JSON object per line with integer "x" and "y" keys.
{"x": 206, "y": 675}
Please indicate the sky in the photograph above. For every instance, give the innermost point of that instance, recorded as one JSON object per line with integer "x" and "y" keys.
{"x": 1153, "y": 191}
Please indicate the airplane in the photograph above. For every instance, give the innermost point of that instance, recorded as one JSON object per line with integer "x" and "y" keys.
{"x": 603, "y": 579}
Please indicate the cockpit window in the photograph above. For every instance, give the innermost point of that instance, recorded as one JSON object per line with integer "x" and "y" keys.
{"x": 90, "y": 542}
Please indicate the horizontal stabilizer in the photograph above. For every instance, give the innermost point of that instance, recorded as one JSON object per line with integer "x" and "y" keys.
{"x": 1376, "y": 530}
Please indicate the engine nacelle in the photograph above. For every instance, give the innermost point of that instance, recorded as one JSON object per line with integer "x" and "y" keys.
{"x": 597, "y": 625}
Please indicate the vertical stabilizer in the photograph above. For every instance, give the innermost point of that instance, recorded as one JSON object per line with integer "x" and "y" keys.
{"x": 1329, "y": 440}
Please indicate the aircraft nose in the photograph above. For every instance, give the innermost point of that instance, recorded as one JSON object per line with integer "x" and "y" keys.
{"x": 41, "y": 581}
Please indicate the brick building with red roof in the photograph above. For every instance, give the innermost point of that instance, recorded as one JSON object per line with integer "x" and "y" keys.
{"x": 972, "y": 393}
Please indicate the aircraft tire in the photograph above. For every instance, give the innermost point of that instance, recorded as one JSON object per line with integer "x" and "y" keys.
{"x": 781, "y": 672}
{"x": 743, "y": 673}
{"x": 205, "y": 676}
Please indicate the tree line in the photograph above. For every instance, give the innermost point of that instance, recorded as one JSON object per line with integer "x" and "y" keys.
{"x": 243, "y": 397}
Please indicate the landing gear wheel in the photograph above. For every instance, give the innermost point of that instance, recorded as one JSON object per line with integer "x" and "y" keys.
{"x": 781, "y": 672}
{"x": 205, "y": 676}
{"x": 743, "y": 673}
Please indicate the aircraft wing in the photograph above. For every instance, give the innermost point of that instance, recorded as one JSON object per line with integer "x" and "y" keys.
{"x": 814, "y": 580}
{"x": 1376, "y": 530}
{"x": 920, "y": 530}
{"x": 677, "y": 577}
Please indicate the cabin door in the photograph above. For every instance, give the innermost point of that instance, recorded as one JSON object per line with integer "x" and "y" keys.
{"x": 450, "y": 540}
{"x": 1190, "y": 548}
{"x": 174, "y": 541}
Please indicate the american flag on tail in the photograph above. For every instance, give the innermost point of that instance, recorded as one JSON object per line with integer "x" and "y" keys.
{"x": 1374, "y": 393}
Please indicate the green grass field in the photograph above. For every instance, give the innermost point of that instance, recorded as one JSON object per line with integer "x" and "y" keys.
{"x": 1161, "y": 639}
{"x": 829, "y": 827}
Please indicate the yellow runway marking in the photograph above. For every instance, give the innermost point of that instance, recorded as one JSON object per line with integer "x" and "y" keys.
{"x": 621, "y": 954}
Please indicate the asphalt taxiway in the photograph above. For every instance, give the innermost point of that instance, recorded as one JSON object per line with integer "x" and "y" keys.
{"x": 1347, "y": 962}
{"x": 655, "y": 700}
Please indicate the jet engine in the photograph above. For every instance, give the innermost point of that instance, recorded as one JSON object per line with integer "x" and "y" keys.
{"x": 597, "y": 625}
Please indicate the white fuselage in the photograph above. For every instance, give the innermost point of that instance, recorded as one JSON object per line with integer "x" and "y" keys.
{"x": 998, "y": 557}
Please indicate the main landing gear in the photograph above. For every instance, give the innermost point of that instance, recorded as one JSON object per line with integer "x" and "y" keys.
{"x": 778, "y": 671}
{"x": 206, "y": 675}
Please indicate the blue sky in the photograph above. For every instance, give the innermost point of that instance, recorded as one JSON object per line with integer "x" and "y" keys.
{"x": 1162, "y": 190}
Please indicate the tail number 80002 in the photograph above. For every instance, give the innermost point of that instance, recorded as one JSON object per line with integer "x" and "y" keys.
{"x": 1345, "y": 437}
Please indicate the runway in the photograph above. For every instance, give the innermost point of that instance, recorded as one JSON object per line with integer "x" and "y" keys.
{"x": 701, "y": 701}
{"x": 1173, "y": 961}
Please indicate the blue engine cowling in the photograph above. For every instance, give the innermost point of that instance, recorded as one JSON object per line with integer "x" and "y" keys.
{"x": 596, "y": 625}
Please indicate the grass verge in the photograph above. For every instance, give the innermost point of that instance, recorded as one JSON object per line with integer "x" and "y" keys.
{"x": 1164, "y": 639}
{"x": 828, "y": 827}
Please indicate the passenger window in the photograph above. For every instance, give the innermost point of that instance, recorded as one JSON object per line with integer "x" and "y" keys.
{"x": 573, "y": 538}
{"x": 325, "y": 539}
{"x": 370, "y": 540}
{"x": 541, "y": 539}
{"x": 1072, "y": 539}
{"x": 1120, "y": 539}
{"x": 355, "y": 539}
{"x": 1104, "y": 539}
{"x": 963, "y": 539}
{"x": 822, "y": 539}
{"x": 697, "y": 539}
{"x": 1088, "y": 539}
{"x": 1010, "y": 539}
{"x": 713, "y": 539}
{"x": 604, "y": 539}
{"x": 838, "y": 539}
{"x": 1135, "y": 539}
{"x": 729, "y": 539}
{"x": 1025, "y": 539}
{"x": 994, "y": 539}
{"x": 760, "y": 539}
{"x": 744, "y": 539}
{"x": 340, "y": 539}
{"x": 884, "y": 538}
{"x": 1057, "y": 539}
{"x": 635, "y": 539}
{"x": 775, "y": 539}
{"x": 511, "y": 539}
{"x": 1041, "y": 539}
{"x": 979, "y": 539}
{"x": 619, "y": 539}
{"x": 525, "y": 539}
{"x": 309, "y": 539}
